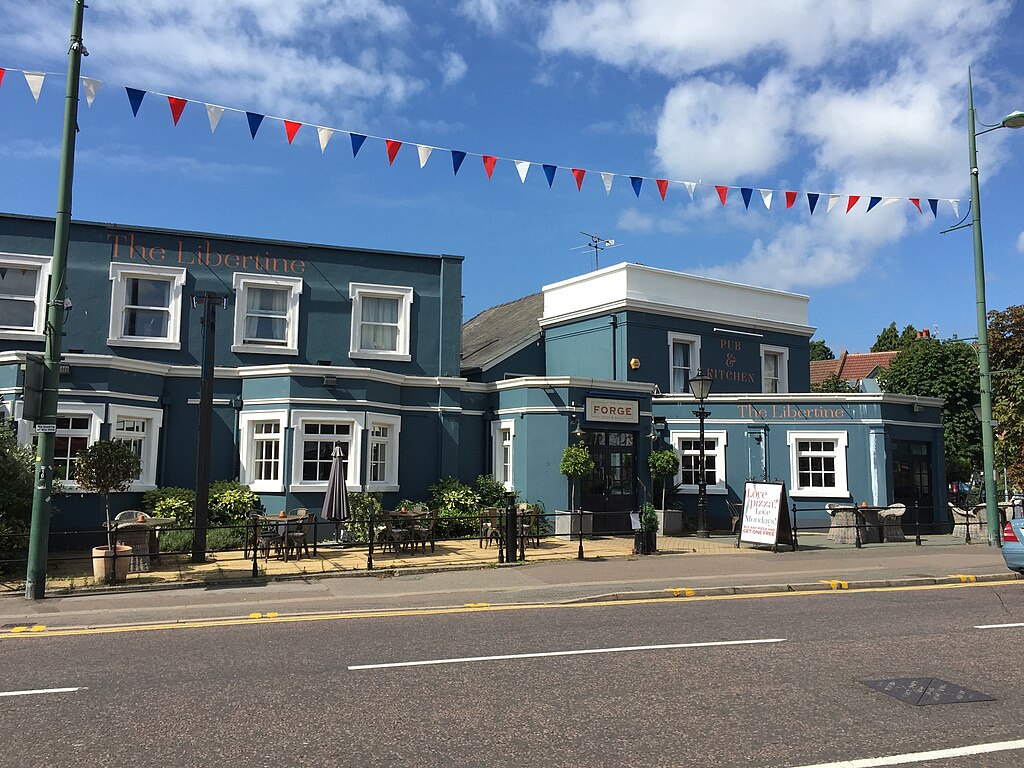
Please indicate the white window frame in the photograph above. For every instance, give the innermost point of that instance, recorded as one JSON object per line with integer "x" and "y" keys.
{"x": 96, "y": 415}
{"x": 150, "y": 440}
{"x": 694, "y": 343}
{"x": 783, "y": 355}
{"x": 41, "y": 264}
{"x": 721, "y": 439}
{"x": 497, "y": 453}
{"x": 354, "y": 463}
{"x": 119, "y": 273}
{"x": 359, "y": 291}
{"x": 394, "y": 425}
{"x": 247, "y": 453}
{"x": 841, "y": 489}
{"x": 241, "y": 282}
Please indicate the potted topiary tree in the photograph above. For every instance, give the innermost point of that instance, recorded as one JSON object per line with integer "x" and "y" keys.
{"x": 106, "y": 467}
{"x": 645, "y": 541}
{"x": 576, "y": 463}
{"x": 663, "y": 465}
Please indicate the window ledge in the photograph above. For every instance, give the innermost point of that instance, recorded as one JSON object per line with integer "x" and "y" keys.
{"x": 823, "y": 493}
{"x": 144, "y": 343}
{"x": 383, "y": 488}
{"x": 10, "y": 333}
{"x": 262, "y": 487}
{"x": 363, "y": 354}
{"x": 264, "y": 349}
{"x": 712, "y": 490}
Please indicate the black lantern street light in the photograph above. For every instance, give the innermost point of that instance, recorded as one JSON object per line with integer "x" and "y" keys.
{"x": 700, "y": 388}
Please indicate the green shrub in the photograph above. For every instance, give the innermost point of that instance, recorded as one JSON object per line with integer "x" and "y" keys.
{"x": 490, "y": 492}
{"x": 648, "y": 518}
{"x": 176, "y": 503}
{"x": 230, "y": 502}
{"x": 360, "y": 506}
{"x": 458, "y": 508}
{"x": 176, "y": 541}
{"x": 217, "y": 540}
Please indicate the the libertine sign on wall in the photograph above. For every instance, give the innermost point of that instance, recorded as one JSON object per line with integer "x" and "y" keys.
{"x": 603, "y": 409}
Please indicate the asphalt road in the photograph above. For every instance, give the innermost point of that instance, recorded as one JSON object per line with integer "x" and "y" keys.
{"x": 308, "y": 691}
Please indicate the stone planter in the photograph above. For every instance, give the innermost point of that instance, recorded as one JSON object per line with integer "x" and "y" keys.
{"x": 670, "y": 522}
{"x": 103, "y": 564}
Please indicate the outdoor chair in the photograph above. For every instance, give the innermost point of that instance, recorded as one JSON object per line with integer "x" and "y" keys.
{"x": 423, "y": 532}
{"x": 845, "y": 521}
{"x": 490, "y": 526}
{"x": 736, "y": 513}
{"x": 963, "y": 522}
{"x": 259, "y": 537}
{"x": 892, "y": 522}
{"x": 297, "y": 540}
{"x": 389, "y": 536}
{"x": 529, "y": 525}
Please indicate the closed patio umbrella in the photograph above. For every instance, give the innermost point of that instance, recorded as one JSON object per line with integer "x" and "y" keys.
{"x": 336, "y": 497}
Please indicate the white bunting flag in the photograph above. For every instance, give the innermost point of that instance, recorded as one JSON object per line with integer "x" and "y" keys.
{"x": 891, "y": 200}
{"x": 325, "y": 136}
{"x": 92, "y": 87}
{"x": 424, "y": 153}
{"x": 607, "y": 179}
{"x": 766, "y": 196}
{"x": 956, "y": 207}
{"x": 35, "y": 83}
{"x": 832, "y": 200}
{"x": 690, "y": 186}
{"x": 523, "y": 166}
{"x": 214, "y": 112}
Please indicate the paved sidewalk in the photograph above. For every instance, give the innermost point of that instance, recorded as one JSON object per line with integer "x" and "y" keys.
{"x": 684, "y": 565}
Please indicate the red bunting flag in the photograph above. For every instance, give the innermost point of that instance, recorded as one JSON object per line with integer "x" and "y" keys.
{"x": 489, "y": 161}
{"x": 723, "y": 192}
{"x": 291, "y": 128}
{"x": 393, "y": 147}
{"x": 579, "y": 173}
{"x": 2, "y": 70}
{"x": 852, "y": 202}
{"x": 917, "y": 203}
{"x": 791, "y": 198}
{"x": 662, "y": 186}
{"x": 177, "y": 107}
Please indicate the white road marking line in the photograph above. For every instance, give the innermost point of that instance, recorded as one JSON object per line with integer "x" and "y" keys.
{"x": 920, "y": 757}
{"x": 38, "y": 691}
{"x": 581, "y": 652}
{"x": 999, "y": 626}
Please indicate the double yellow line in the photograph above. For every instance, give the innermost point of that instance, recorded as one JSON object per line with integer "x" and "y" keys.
{"x": 679, "y": 595}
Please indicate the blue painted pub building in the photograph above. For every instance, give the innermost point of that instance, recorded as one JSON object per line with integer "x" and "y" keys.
{"x": 317, "y": 345}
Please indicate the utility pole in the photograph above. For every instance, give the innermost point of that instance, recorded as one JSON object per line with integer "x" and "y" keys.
{"x": 209, "y": 301}
{"x": 39, "y": 536}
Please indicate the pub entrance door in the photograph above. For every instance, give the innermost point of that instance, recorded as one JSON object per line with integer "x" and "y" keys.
{"x": 610, "y": 490}
{"x": 912, "y": 484}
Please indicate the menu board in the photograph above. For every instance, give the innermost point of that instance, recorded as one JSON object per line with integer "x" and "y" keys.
{"x": 765, "y": 517}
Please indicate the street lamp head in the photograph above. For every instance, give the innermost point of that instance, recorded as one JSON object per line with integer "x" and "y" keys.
{"x": 700, "y": 385}
{"x": 1014, "y": 120}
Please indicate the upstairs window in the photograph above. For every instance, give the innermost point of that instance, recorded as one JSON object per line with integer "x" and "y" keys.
{"x": 266, "y": 314}
{"x": 23, "y": 296}
{"x": 774, "y": 369}
{"x": 380, "y": 321}
{"x": 684, "y": 360}
{"x": 145, "y": 306}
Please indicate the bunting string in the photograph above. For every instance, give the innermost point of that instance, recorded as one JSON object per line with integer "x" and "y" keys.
{"x": 177, "y": 105}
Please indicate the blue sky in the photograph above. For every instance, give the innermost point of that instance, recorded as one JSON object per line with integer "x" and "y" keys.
{"x": 858, "y": 98}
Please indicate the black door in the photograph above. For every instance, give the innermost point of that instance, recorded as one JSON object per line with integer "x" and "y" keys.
{"x": 912, "y": 484}
{"x": 610, "y": 490}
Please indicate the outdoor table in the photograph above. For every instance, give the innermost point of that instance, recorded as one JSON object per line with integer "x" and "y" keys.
{"x": 283, "y": 523}
{"x": 406, "y": 520}
{"x": 143, "y": 536}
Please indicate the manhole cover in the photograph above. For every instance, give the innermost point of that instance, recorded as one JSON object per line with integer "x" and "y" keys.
{"x": 921, "y": 691}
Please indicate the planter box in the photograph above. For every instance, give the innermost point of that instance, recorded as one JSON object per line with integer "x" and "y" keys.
{"x": 645, "y": 542}
{"x": 103, "y": 563}
{"x": 670, "y": 522}
{"x": 567, "y": 527}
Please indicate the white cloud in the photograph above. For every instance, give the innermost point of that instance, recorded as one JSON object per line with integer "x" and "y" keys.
{"x": 453, "y": 67}
{"x": 727, "y": 131}
{"x": 307, "y": 59}
{"x": 1020, "y": 243}
{"x": 491, "y": 15}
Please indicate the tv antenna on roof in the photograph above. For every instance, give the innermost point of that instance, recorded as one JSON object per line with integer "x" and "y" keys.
{"x": 598, "y": 243}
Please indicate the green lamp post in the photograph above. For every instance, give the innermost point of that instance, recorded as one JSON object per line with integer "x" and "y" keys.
{"x": 1013, "y": 120}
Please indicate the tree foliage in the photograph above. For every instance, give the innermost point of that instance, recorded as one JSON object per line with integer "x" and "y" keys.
{"x": 576, "y": 462}
{"x": 106, "y": 467}
{"x": 1006, "y": 359}
{"x": 820, "y": 350}
{"x": 890, "y": 339}
{"x": 15, "y": 484}
{"x": 932, "y": 368}
{"x": 833, "y": 384}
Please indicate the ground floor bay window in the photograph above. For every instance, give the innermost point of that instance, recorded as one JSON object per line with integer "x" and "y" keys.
{"x": 818, "y": 464}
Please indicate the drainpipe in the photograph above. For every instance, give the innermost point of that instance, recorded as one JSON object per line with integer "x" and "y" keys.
{"x": 615, "y": 327}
